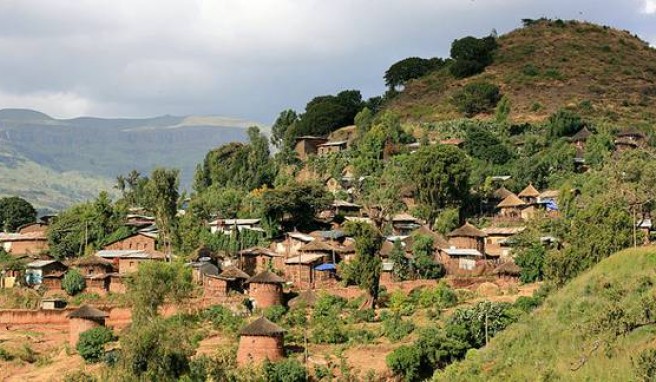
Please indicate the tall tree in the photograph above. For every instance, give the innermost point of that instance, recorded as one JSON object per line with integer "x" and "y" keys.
{"x": 441, "y": 174}
{"x": 15, "y": 212}
{"x": 365, "y": 268}
{"x": 162, "y": 199}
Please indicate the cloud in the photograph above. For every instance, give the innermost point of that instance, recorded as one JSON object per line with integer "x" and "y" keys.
{"x": 247, "y": 59}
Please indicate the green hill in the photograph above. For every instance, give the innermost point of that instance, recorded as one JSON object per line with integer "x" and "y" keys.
{"x": 56, "y": 162}
{"x": 594, "y": 329}
{"x": 604, "y": 74}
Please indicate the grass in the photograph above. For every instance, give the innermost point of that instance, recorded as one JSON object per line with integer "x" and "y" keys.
{"x": 591, "y": 330}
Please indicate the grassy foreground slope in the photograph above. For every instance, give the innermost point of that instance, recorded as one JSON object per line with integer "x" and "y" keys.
{"x": 593, "y": 329}
{"x": 607, "y": 75}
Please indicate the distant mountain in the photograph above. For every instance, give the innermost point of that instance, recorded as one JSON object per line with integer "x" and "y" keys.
{"x": 56, "y": 162}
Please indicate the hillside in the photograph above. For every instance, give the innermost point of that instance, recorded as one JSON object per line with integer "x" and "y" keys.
{"x": 604, "y": 74}
{"x": 591, "y": 330}
{"x": 55, "y": 162}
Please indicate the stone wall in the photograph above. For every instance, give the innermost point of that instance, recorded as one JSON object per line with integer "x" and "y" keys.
{"x": 255, "y": 349}
{"x": 265, "y": 295}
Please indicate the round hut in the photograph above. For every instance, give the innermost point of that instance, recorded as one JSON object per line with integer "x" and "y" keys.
{"x": 83, "y": 319}
{"x": 266, "y": 289}
{"x": 260, "y": 340}
{"x": 467, "y": 237}
{"x": 529, "y": 194}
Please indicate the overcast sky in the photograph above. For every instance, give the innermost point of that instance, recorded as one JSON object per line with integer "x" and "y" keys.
{"x": 243, "y": 58}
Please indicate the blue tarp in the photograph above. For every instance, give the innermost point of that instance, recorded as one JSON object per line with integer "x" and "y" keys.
{"x": 333, "y": 235}
{"x": 551, "y": 205}
{"x": 325, "y": 267}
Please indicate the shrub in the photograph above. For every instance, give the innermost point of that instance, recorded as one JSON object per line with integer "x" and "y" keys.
{"x": 441, "y": 297}
{"x": 288, "y": 370}
{"x": 530, "y": 70}
{"x": 471, "y": 55}
{"x": 401, "y": 304}
{"x": 405, "y": 361}
{"x": 363, "y": 315}
{"x": 222, "y": 318}
{"x": 5, "y": 355}
{"x": 275, "y": 313}
{"x": 564, "y": 123}
{"x": 396, "y": 328}
{"x": 361, "y": 336}
{"x": 79, "y": 376}
{"x": 91, "y": 345}
{"x": 73, "y": 282}
{"x": 477, "y": 97}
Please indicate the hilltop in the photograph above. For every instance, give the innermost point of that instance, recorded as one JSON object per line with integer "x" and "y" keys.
{"x": 604, "y": 74}
{"x": 54, "y": 163}
{"x": 594, "y": 329}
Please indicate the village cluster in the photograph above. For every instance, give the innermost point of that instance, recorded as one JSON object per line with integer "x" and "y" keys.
{"x": 298, "y": 261}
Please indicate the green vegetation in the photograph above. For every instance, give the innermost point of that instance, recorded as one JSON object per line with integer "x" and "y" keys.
{"x": 598, "y": 327}
{"x": 471, "y": 55}
{"x": 15, "y": 212}
{"x": 91, "y": 345}
{"x": 476, "y": 98}
{"x": 73, "y": 282}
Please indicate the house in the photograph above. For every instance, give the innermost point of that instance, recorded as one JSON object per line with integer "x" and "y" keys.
{"x": 331, "y": 147}
{"x": 497, "y": 241}
{"x": 308, "y": 145}
{"x": 403, "y": 223}
{"x": 342, "y": 207}
{"x": 265, "y": 288}
{"x": 501, "y": 193}
{"x": 629, "y": 139}
{"x": 29, "y": 241}
{"x": 511, "y": 208}
{"x": 507, "y": 270}
{"x": 300, "y": 270}
{"x": 467, "y": 237}
{"x": 83, "y": 319}
{"x": 139, "y": 221}
{"x": 260, "y": 341}
{"x": 462, "y": 259}
{"x": 96, "y": 272}
{"x": 529, "y": 194}
{"x": 580, "y": 137}
{"x": 142, "y": 241}
{"x": 644, "y": 226}
{"x": 226, "y": 226}
{"x": 201, "y": 269}
{"x": 130, "y": 262}
{"x": 53, "y": 303}
{"x": 48, "y": 273}
{"x": 229, "y": 280}
{"x": 290, "y": 244}
{"x": 257, "y": 259}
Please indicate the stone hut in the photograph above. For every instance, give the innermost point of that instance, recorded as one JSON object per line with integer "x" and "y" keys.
{"x": 467, "y": 237}
{"x": 96, "y": 272}
{"x": 529, "y": 195}
{"x": 83, "y": 319}
{"x": 259, "y": 341}
{"x": 231, "y": 279}
{"x": 257, "y": 259}
{"x": 266, "y": 289}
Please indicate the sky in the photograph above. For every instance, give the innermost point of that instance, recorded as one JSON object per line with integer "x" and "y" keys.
{"x": 246, "y": 59}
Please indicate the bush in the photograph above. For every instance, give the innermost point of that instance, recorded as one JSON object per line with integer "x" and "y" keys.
{"x": 477, "y": 97}
{"x": 405, "y": 361}
{"x": 222, "y": 318}
{"x": 396, "y": 328}
{"x": 564, "y": 123}
{"x": 91, "y": 345}
{"x": 73, "y": 282}
{"x": 645, "y": 365}
{"x": 440, "y": 297}
{"x": 275, "y": 313}
{"x": 471, "y": 55}
{"x": 361, "y": 336}
{"x": 288, "y": 370}
{"x": 79, "y": 376}
{"x": 5, "y": 355}
{"x": 363, "y": 315}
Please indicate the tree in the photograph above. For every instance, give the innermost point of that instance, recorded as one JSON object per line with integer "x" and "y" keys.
{"x": 410, "y": 68}
{"x": 281, "y": 127}
{"x": 162, "y": 199}
{"x": 365, "y": 269}
{"x": 564, "y": 123}
{"x": 153, "y": 284}
{"x": 531, "y": 261}
{"x": 441, "y": 176}
{"x": 325, "y": 114}
{"x": 424, "y": 258}
{"x": 484, "y": 145}
{"x": 503, "y": 109}
{"x": 471, "y": 55}
{"x": 401, "y": 268}
{"x": 15, "y": 212}
{"x": 300, "y": 202}
{"x": 91, "y": 344}
{"x": 73, "y": 282}
{"x": 476, "y": 97}
{"x": 288, "y": 370}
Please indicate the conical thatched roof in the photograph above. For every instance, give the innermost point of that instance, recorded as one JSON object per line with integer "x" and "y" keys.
{"x": 266, "y": 277}
{"x": 501, "y": 193}
{"x": 262, "y": 327}
{"x": 511, "y": 201}
{"x": 529, "y": 192}
{"x": 467, "y": 230}
{"x": 308, "y": 298}
{"x": 86, "y": 311}
{"x": 233, "y": 273}
{"x": 439, "y": 242}
{"x": 581, "y": 135}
